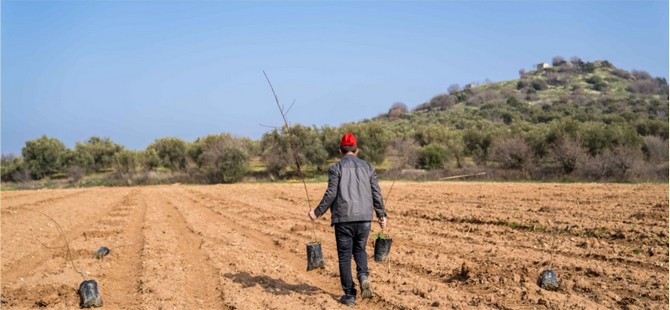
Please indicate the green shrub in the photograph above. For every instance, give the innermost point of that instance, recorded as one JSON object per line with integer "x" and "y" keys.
{"x": 96, "y": 154}
{"x": 512, "y": 153}
{"x": 44, "y": 156}
{"x": 432, "y": 156}
{"x": 171, "y": 153}
{"x": 221, "y": 158}
{"x": 539, "y": 84}
{"x": 372, "y": 140}
{"x": 11, "y": 168}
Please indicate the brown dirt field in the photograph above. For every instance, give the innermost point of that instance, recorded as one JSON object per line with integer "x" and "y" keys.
{"x": 242, "y": 246}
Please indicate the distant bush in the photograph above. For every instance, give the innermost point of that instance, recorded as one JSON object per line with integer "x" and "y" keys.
{"x": 641, "y": 75}
{"x": 407, "y": 149}
{"x": 568, "y": 154}
{"x": 589, "y": 67}
{"x": 655, "y": 150}
{"x": 95, "y": 154}
{"x": 554, "y": 79}
{"x": 397, "y": 110}
{"x": 330, "y": 138}
{"x": 432, "y": 156}
{"x": 443, "y": 101}
{"x": 646, "y": 86}
{"x": 450, "y": 138}
{"x": 557, "y": 61}
{"x": 434, "y": 133}
{"x": 478, "y": 141}
{"x": 597, "y": 82}
{"x": 224, "y": 162}
{"x": 522, "y": 83}
{"x": 126, "y": 164}
{"x": 622, "y": 73}
{"x": 11, "y": 167}
{"x": 482, "y": 97}
{"x": 372, "y": 140}
{"x": 278, "y": 154}
{"x": 150, "y": 159}
{"x": 597, "y": 137}
{"x": 170, "y": 152}
{"x": 275, "y": 152}
{"x": 512, "y": 153}
{"x": 76, "y": 174}
{"x": 310, "y": 146}
{"x": 44, "y": 156}
{"x": 613, "y": 164}
{"x": 576, "y": 61}
{"x": 539, "y": 84}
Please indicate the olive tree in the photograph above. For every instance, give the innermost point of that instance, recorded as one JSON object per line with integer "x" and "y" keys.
{"x": 278, "y": 154}
{"x": 372, "y": 140}
{"x": 96, "y": 154}
{"x": 12, "y": 167}
{"x": 126, "y": 163}
{"x": 432, "y": 156}
{"x": 44, "y": 156}
{"x": 171, "y": 152}
{"x": 222, "y": 158}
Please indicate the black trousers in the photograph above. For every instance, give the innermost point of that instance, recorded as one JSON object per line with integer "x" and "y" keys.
{"x": 351, "y": 239}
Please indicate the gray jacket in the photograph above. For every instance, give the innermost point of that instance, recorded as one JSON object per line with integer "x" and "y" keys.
{"x": 353, "y": 192}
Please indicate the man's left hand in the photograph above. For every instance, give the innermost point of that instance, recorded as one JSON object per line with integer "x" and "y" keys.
{"x": 312, "y": 215}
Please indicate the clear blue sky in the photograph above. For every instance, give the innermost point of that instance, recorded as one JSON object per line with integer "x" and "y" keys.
{"x": 135, "y": 71}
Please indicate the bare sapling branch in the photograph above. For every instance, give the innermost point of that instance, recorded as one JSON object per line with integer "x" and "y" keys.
{"x": 67, "y": 244}
{"x": 293, "y": 150}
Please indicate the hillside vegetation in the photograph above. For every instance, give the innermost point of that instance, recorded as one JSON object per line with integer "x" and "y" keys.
{"x": 571, "y": 121}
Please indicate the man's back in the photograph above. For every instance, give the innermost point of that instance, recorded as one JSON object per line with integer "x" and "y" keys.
{"x": 353, "y": 192}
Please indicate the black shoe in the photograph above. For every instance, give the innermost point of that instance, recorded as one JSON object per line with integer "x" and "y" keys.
{"x": 366, "y": 287}
{"x": 348, "y": 300}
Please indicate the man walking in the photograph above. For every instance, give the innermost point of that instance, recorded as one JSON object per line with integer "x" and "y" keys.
{"x": 352, "y": 196}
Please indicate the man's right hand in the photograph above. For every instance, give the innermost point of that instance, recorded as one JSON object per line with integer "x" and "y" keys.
{"x": 382, "y": 222}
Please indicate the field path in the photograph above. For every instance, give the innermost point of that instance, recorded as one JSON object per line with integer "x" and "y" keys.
{"x": 242, "y": 246}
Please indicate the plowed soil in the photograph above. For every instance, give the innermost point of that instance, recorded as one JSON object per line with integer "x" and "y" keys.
{"x": 242, "y": 246}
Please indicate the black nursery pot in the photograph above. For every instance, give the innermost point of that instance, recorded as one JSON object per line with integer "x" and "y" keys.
{"x": 89, "y": 295}
{"x": 382, "y": 249}
{"x": 548, "y": 280}
{"x": 314, "y": 256}
{"x": 102, "y": 252}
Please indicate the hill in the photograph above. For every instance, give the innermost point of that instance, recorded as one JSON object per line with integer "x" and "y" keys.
{"x": 591, "y": 110}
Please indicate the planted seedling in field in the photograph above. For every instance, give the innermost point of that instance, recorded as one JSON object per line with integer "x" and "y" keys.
{"x": 88, "y": 289}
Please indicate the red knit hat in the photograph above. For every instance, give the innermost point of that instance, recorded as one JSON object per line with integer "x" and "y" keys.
{"x": 348, "y": 140}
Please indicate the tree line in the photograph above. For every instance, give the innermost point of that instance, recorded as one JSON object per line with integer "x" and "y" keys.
{"x": 562, "y": 148}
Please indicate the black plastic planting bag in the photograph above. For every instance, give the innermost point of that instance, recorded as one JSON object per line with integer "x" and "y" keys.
{"x": 314, "y": 256}
{"x": 382, "y": 249}
{"x": 89, "y": 295}
{"x": 101, "y": 252}
{"x": 548, "y": 280}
